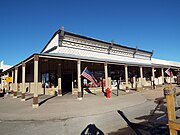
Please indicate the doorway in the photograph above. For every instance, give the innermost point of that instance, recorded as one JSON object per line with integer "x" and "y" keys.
{"x": 66, "y": 83}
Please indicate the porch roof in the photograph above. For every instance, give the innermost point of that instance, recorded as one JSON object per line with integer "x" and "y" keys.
{"x": 122, "y": 61}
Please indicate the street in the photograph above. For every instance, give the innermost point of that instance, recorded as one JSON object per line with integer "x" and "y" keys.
{"x": 106, "y": 122}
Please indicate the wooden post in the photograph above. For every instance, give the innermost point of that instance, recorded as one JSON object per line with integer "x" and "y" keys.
{"x": 126, "y": 77}
{"x": 106, "y": 74}
{"x": 16, "y": 84}
{"x": 141, "y": 75}
{"x": 79, "y": 79}
{"x": 59, "y": 80}
{"x": 12, "y": 86}
{"x": 23, "y": 82}
{"x": 35, "y": 97}
{"x": 153, "y": 78}
{"x": 168, "y": 91}
{"x": 7, "y": 83}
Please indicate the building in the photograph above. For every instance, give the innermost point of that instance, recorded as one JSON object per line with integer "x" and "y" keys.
{"x": 58, "y": 67}
{"x": 3, "y": 67}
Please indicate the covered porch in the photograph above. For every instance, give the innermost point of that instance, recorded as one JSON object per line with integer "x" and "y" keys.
{"x": 51, "y": 74}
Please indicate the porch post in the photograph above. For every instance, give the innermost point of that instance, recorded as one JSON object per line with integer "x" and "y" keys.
{"x": 23, "y": 82}
{"x": 153, "y": 75}
{"x": 59, "y": 80}
{"x": 35, "y": 98}
{"x": 126, "y": 75}
{"x": 106, "y": 74}
{"x": 2, "y": 82}
{"x": 72, "y": 81}
{"x": 12, "y": 86}
{"x": 162, "y": 73}
{"x": 141, "y": 75}
{"x": 153, "y": 78}
{"x": 79, "y": 79}
{"x": 15, "y": 83}
{"x": 7, "y": 82}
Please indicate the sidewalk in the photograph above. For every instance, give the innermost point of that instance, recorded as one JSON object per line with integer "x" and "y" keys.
{"x": 67, "y": 106}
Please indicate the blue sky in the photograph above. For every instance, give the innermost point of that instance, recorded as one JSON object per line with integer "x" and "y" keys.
{"x": 27, "y": 25}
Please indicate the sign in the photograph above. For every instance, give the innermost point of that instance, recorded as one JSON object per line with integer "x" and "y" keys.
{"x": 8, "y": 79}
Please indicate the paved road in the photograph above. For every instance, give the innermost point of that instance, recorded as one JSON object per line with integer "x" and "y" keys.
{"x": 96, "y": 115}
{"x": 109, "y": 122}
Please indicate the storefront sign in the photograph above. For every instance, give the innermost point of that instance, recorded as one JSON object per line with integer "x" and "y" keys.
{"x": 8, "y": 79}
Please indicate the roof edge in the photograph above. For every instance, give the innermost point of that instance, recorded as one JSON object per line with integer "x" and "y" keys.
{"x": 50, "y": 39}
{"x": 98, "y": 40}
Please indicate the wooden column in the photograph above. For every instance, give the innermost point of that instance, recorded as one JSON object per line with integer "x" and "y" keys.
{"x": 79, "y": 79}
{"x": 35, "y": 98}
{"x": 59, "y": 80}
{"x": 126, "y": 76}
{"x": 141, "y": 75}
{"x": 7, "y": 88}
{"x": 15, "y": 83}
{"x": 153, "y": 79}
{"x": 23, "y": 82}
{"x": 171, "y": 110}
{"x": 162, "y": 73}
{"x": 134, "y": 83}
{"x": 12, "y": 86}
{"x": 153, "y": 75}
{"x": 106, "y": 74}
{"x": 72, "y": 81}
{"x": 2, "y": 82}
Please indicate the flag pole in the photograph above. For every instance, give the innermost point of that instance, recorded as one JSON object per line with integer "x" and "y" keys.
{"x": 170, "y": 80}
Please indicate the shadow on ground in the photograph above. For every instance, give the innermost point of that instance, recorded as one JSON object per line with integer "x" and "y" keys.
{"x": 45, "y": 100}
{"x": 29, "y": 98}
{"x": 126, "y": 131}
{"x": 91, "y": 129}
{"x": 153, "y": 124}
{"x": 89, "y": 91}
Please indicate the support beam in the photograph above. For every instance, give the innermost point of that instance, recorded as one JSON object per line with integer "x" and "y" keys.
{"x": 23, "y": 82}
{"x": 72, "y": 81}
{"x": 59, "y": 80}
{"x": 12, "y": 83}
{"x": 2, "y": 82}
{"x": 7, "y": 88}
{"x": 106, "y": 74}
{"x": 79, "y": 79}
{"x": 153, "y": 78}
{"x": 35, "y": 97}
{"x": 153, "y": 75}
{"x": 15, "y": 83}
{"x": 141, "y": 75}
{"x": 126, "y": 76}
{"x": 12, "y": 88}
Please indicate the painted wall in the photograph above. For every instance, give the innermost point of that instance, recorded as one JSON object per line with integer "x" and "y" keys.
{"x": 54, "y": 42}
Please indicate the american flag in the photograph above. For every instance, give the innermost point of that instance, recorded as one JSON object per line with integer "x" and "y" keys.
{"x": 88, "y": 75}
{"x": 169, "y": 72}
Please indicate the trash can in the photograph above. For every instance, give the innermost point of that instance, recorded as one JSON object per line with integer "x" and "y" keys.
{"x": 108, "y": 91}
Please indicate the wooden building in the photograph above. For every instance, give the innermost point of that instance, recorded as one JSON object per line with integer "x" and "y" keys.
{"x": 58, "y": 67}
